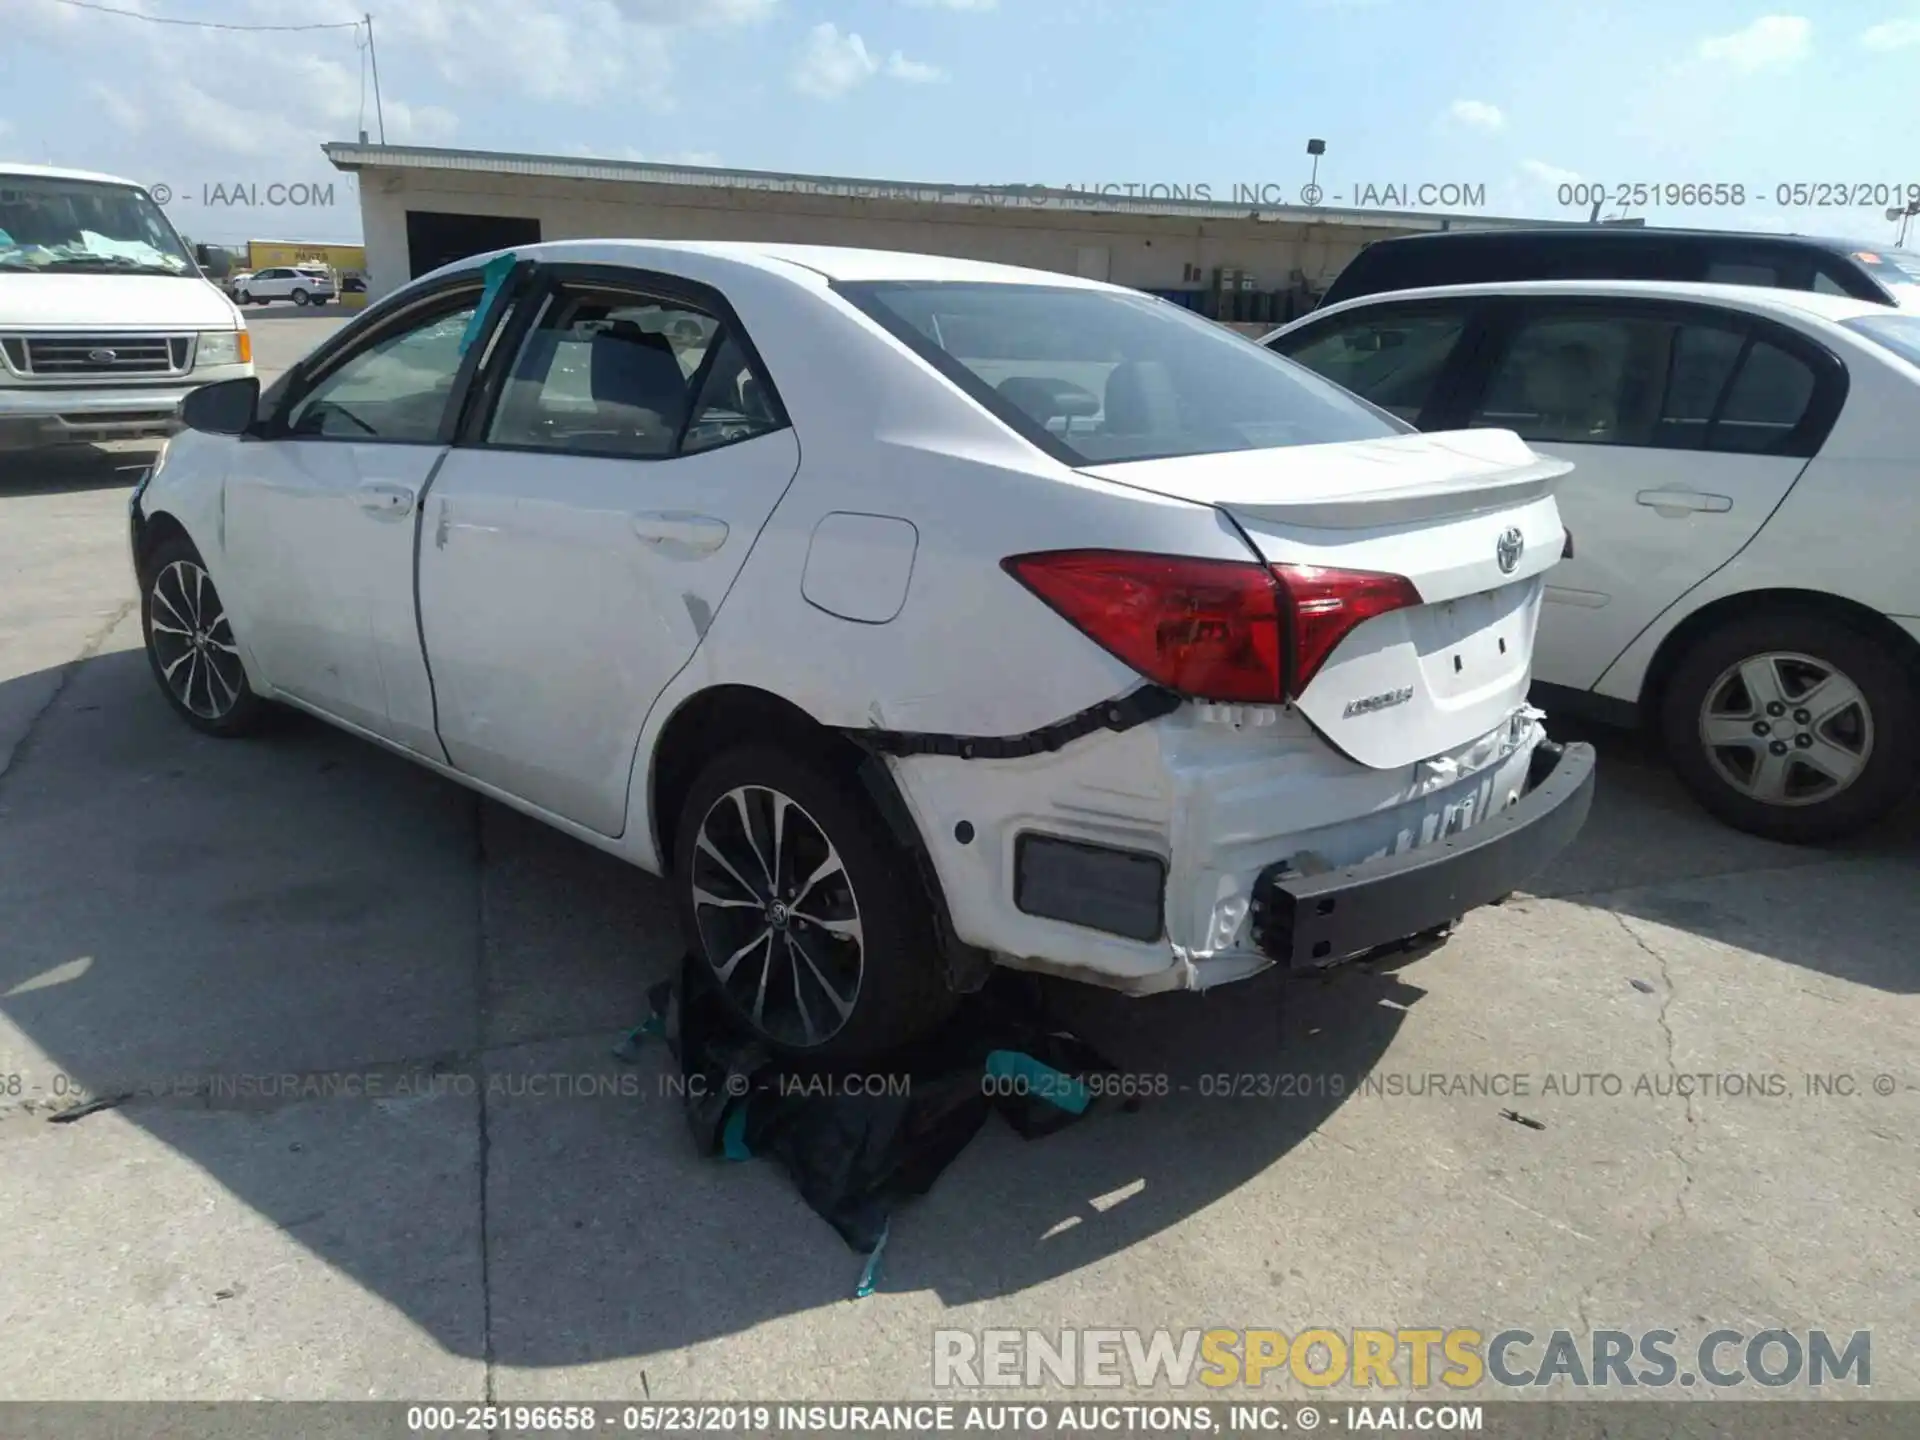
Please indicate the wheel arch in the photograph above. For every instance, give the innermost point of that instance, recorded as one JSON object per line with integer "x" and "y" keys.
{"x": 716, "y": 719}
{"x": 152, "y": 531}
{"x": 1851, "y": 613}
{"x": 719, "y": 717}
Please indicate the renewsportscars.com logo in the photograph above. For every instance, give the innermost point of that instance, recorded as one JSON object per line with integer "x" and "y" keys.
{"x": 1361, "y": 1359}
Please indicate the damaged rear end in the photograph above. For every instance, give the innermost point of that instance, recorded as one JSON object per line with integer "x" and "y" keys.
{"x": 1346, "y": 758}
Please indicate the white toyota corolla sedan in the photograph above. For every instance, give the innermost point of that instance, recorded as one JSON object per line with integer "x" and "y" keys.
{"x": 913, "y": 615}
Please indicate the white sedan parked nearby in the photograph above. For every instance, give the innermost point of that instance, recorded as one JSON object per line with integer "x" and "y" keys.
{"x": 912, "y": 614}
{"x": 1743, "y": 505}
{"x": 302, "y": 284}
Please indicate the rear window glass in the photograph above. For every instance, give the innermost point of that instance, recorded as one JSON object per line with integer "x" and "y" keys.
{"x": 1899, "y": 333}
{"x": 1097, "y": 376}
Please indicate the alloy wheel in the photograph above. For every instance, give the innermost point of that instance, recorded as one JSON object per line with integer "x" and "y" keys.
{"x": 1786, "y": 729}
{"x": 192, "y": 641}
{"x": 777, "y": 916}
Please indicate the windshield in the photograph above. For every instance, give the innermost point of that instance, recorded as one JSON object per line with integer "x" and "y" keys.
{"x": 1899, "y": 333}
{"x": 1095, "y": 376}
{"x": 48, "y": 224}
{"x": 1891, "y": 267}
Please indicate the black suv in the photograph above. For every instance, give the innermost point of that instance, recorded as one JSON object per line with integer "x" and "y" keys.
{"x": 1619, "y": 252}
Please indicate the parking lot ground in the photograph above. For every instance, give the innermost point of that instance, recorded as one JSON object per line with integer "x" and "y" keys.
{"x": 174, "y": 908}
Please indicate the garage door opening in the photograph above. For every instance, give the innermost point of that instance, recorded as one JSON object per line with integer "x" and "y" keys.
{"x": 436, "y": 238}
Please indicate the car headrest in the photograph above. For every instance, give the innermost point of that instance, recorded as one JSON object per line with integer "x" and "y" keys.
{"x": 630, "y": 366}
{"x": 1140, "y": 399}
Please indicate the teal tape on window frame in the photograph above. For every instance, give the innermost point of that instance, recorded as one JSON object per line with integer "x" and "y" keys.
{"x": 492, "y": 277}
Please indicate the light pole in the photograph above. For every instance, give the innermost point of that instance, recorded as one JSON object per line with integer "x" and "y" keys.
{"x": 1311, "y": 195}
{"x": 1903, "y": 213}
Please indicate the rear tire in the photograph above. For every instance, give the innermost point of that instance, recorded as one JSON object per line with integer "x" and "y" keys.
{"x": 1793, "y": 725}
{"x": 299, "y": 296}
{"x": 190, "y": 644}
{"x": 823, "y": 946}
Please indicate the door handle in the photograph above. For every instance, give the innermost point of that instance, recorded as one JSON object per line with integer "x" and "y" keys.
{"x": 1673, "y": 504}
{"x": 381, "y": 497}
{"x": 680, "y": 531}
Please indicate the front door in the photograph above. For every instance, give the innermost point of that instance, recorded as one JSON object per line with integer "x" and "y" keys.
{"x": 323, "y": 517}
{"x": 573, "y": 555}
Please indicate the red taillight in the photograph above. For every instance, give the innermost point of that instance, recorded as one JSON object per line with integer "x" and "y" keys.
{"x": 1325, "y": 605}
{"x": 1212, "y": 629}
{"x": 1206, "y": 628}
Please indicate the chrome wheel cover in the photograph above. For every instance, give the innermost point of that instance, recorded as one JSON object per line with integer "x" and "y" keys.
{"x": 1786, "y": 729}
{"x": 192, "y": 642}
{"x": 777, "y": 916}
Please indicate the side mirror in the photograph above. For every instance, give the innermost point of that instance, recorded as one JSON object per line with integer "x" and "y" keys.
{"x": 225, "y": 408}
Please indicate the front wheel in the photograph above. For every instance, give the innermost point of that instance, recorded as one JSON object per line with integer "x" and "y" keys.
{"x": 190, "y": 644}
{"x": 245, "y": 297}
{"x": 1794, "y": 726}
{"x": 814, "y": 925}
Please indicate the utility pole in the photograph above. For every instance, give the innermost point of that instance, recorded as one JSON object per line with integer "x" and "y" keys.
{"x": 374, "y": 55}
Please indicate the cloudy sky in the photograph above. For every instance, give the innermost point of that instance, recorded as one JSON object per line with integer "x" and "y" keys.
{"x": 1520, "y": 98}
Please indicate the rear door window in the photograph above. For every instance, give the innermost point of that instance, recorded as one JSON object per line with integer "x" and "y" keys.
{"x": 1738, "y": 272}
{"x": 1766, "y": 403}
{"x": 608, "y": 372}
{"x": 1563, "y": 377}
{"x": 1701, "y": 362}
{"x": 1659, "y": 379}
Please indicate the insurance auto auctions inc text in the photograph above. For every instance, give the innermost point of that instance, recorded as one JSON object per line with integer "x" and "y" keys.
{"x": 1374, "y": 1360}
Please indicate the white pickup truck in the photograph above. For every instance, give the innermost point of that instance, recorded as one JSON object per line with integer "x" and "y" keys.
{"x": 105, "y": 320}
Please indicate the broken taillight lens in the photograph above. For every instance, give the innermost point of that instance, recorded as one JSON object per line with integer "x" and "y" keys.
{"x": 1323, "y": 606}
{"x": 1205, "y": 628}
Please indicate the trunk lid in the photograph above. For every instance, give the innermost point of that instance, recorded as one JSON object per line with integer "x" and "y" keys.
{"x": 1468, "y": 517}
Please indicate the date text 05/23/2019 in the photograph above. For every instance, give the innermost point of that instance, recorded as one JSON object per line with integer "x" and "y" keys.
{"x": 1734, "y": 194}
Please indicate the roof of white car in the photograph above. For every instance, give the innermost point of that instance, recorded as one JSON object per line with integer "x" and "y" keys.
{"x": 55, "y": 172}
{"x": 833, "y": 261}
{"x": 1744, "y": 297}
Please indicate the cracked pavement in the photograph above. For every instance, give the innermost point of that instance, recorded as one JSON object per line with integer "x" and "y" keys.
{"x": 501, "y": 1210}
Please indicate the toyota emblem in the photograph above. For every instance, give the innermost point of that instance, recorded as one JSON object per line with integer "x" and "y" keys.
{"x": 102, "y": 357}
{"x": 1512, "y": 545}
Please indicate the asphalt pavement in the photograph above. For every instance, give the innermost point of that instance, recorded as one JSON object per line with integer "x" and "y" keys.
{"x": 505, "y": 1211}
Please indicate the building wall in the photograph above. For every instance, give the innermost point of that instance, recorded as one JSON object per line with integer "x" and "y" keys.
{"x": 1149, "y": 252}
{"x": 346, "y": 258}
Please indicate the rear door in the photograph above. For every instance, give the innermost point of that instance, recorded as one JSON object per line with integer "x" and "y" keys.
{"x": 623, "y": 453}
{"x": 1686, "y": 426}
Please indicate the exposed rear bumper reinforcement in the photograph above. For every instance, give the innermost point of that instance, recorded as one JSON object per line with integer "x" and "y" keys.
{"x": 1306, "y": 922}
{"x": 1149, "y": 702}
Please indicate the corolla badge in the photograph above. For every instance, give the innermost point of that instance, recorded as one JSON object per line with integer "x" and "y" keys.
{"x": 1512, "y": 545}
{"x": 1372, "y": 703}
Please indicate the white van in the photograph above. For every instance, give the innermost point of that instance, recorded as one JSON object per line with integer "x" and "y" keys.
{"x": 105, "y": 320}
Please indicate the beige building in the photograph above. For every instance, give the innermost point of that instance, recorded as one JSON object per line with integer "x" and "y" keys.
{"x": 421, "y": 208}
